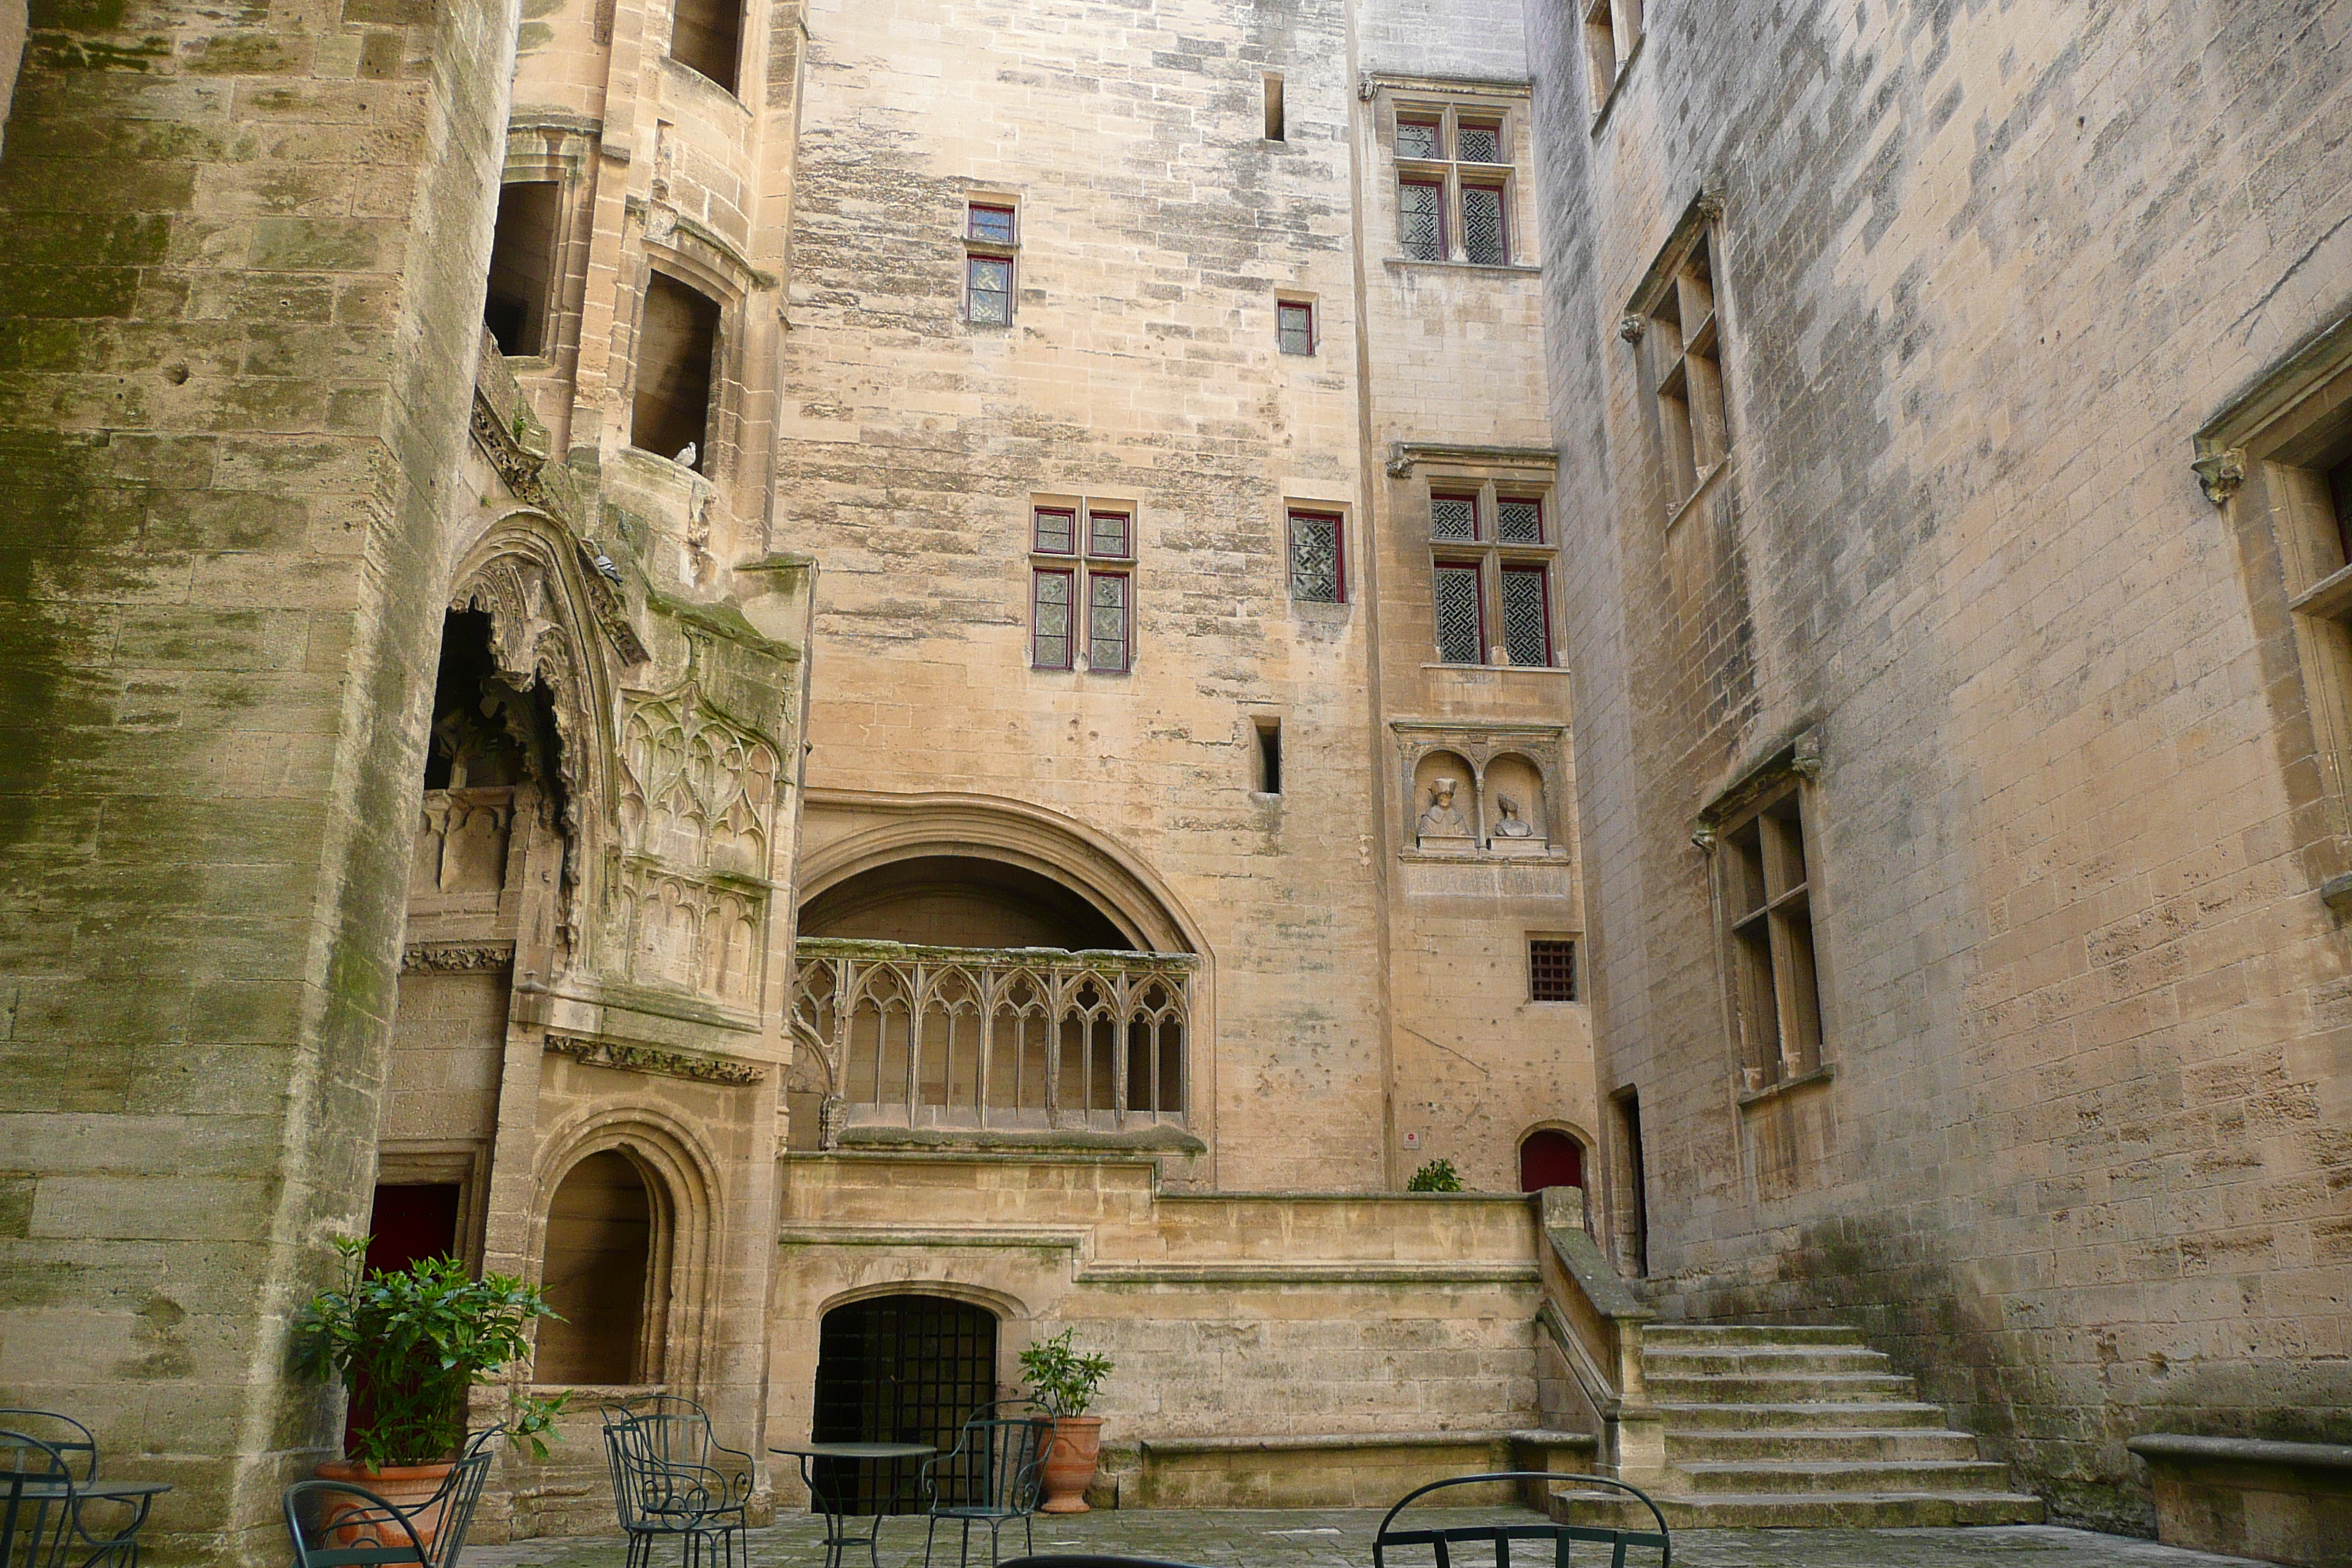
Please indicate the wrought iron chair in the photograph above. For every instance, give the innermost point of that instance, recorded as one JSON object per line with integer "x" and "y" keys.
{"x": 667, "y": 1481}
{"x": 69, "y": 1437}
{"x": 1562, "y": 1537}
{"x": 328, "y": 1522}
{"x": 992, "y": 1475}
{"x": 45, "y": 1513}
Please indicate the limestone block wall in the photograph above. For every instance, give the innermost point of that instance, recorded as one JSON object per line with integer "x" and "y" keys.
{"x": 2077, "y": 1167}
{"x": 240, "y": 294}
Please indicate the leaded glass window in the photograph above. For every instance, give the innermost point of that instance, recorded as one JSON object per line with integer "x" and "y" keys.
{"x": 1482, "y": 225}
{"x": 1317, "y": 568}
{"x": 1423, "y": 203}
{"x": 991, "y": 223}
{"x": 1294, "y": 323}
{"x": 1049, "y": 596}
{"x": 1453, "y": 517}
{"x": 1526, "y": 618}
{"x": 989, "y": 289}
{"x": 1460, "y": 624}
{"x": 1518, "y": 520}
{"x": 1418, "y": 139}
{"x": 1477, "y": 143}
{"x": 1109, "y": 536}
{"x": 1107, "y": 622}
{"x": 1057, "y": 531}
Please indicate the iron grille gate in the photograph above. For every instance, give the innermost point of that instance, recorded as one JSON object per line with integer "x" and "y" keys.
{"x": 899, "y": 1369}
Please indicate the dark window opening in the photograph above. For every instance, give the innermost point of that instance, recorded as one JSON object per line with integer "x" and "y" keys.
{"x": 486, "y": 734}
{"x": 1632, "y": 1198}
{"x": 1551, "y": 968}
{"x": 1526, "y": 616}
{"x": 599, "y": 1276}
{"x": 2339, "y": 491}
{"x": 1274, "y": 125}
{"x": 522, "y": 268}
{"x": 1550, "y": 1158}
{"x": 1269, "y": 755}
{"x": 676, "y": 346}
{"x": 1461, "y": 615}
{"x": 899, "y": 1369}
{"x": 707, "y": 37}
{"x": 405, "y": 1224}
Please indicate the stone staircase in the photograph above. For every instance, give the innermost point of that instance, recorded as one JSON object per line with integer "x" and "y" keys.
{"x": 1773, "y": 1426}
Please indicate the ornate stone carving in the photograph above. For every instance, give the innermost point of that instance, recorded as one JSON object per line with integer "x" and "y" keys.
{"x": 1443, "y": 819}
{"x": 1512, "y": 826}
{"x": 1538, "y": 771}
{"x": 456, "y": 957}
{"x": 2221, "y": 473}
{"x": 1631, "y": 327}
{"x": 517, "y": 466}
{"x": 656, "y": 1060}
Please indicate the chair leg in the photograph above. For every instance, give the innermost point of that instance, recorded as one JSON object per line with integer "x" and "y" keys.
{"x": 928, "y": 1532}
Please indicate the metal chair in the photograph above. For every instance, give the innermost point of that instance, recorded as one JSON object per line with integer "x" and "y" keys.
{"x": 345, "y": 1519}
{"x": 69, "y": 1437}
{"x": 992, "y": 1475}
{"x": 1500, "y": 1536}
{"x": 665, "y": 1482}
{"x": 45, "y": 1512}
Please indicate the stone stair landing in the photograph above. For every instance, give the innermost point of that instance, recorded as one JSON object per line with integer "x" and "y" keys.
{"x": 1791, "y": 1427}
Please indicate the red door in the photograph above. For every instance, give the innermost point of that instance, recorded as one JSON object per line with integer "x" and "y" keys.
{"x": 1550, "y": 1159}
{"x": 407, "y": 1224}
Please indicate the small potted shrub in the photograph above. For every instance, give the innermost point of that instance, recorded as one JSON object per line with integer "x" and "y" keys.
{"x": 409, "y": 1345}
{"x": 1062, "y": 1383}
{"x": 1437, "y": 1176}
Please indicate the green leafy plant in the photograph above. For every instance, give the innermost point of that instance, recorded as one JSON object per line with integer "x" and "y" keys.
{"x": 412, "y": 1341}
{"x": 1061, "y": 1379}
{"x": 1437, "y": 1176}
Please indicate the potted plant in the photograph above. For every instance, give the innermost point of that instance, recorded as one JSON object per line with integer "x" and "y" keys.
{"x": 409, "y": 1345}
{"x": 1063, "y": 1383}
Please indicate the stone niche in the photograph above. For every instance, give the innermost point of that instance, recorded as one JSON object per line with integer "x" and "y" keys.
{"x": 1482, "y": 792}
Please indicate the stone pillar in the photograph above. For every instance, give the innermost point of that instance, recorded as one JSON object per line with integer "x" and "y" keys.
{"x": 238, "y": 304}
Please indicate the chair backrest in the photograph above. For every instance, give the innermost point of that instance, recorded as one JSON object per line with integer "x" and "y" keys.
{"x": 1562, "y": 1537}
{"x": 997, "y": 1463}
{"x": 63, "y": 1433}
{"x": 452, "y": 1506}
{"x": 624, "y": 1452}
{"x": 334, "y": 1524}
{"x": 35, "y": 1501}
{"x": 676, "y": 1431}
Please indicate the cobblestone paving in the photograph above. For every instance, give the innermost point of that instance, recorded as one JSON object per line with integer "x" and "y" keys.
{"x": 1342, "y": 1538}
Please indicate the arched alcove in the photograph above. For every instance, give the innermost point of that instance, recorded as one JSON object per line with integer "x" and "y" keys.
{"x": 1517, "y": 816}
{"x": 960, "y": 901}
{"x": 903, "y": 1368}
{"x": 599, "y": 1274}
{"x": 1550, "y": 1158}
{"x": 1444, "y": 806}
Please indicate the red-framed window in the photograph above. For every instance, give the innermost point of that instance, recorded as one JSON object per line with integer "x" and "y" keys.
{"x": 1527, "y": 615}
{"x": 1109, "y": 613}
{"x": 1295, "y": 326}
{"x": 1110, "y": 535}
{"x": 1486, "y": 227}
{"x": 1518, "y": 520}
{"x": 1420, "y": 205}
{"x": 1461, "y": 613}
{"x": 1454, "y": 516}
{"x": 987, "y": 290}
{"x": 1420, "y": 136}
{"x": 1050, "y": 639}
{"x": 1319, "y": 557}
{"x": 992, "y": 224}
{"x": 1054, "y": 531}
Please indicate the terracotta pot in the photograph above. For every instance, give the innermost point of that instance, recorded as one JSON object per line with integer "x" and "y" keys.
{"x": 1070, "y": 1463}
{"x": 406, "y": 1487}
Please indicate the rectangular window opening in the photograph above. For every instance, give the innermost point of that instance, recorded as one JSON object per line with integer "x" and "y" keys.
{"x": 1551, "y": 968}
{"x": 1318, "y": 564}
{"x": 706, "y": 37}
{"x": 1269, "y": 754}
{"x": 1461, "y": 618}
{"x": 992, "y": 224}
{"x": 677, "y": 339}
{"x": 522, "y": 268}
{"x": 1518, "y": 520}
{"x": 1423, "y": 205}
{"x": 1049, "y": 599}
{"x": 1295, "y": 326}
{"x": 1054, "y": 531}
{"x": 1420, "y": 136}
{"x": 1108, "y": 610}
{"x": 1485, "y": 239}
{"x": 1453, "y": 517}
{"x": 1274, "y": 123}
{"x": 1601, "y": 51}
{"x": 1527, "y": 616}
{"x": 987, "y": 290}
{"x": 1478, "y": 141}
{"x": 1767, "y": 901}
{"x": 1633, "y": 1208}
{"x": 1111, "y": 536}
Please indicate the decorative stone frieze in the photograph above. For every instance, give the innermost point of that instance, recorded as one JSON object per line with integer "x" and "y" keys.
{"x": 654, "y": 1059}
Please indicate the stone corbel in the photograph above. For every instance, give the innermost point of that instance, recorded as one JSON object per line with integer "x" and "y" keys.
{"x": 1805, "y": 755}
{"x": 1631, "y": 327}
{"x": 2219, "y": 472}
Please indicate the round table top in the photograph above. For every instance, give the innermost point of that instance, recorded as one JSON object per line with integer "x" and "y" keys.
{"x": 855, "y": 1450}
{"x": 43, "y": 1487}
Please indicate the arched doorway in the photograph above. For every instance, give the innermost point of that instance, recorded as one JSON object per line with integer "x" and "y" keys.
{"x": 899, "y": 1369}
{"x": 599, "y": 1275}
{"x": 1550, "y": 1158}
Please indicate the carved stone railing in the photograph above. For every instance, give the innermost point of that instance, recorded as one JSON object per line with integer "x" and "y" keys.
{"x": 997, "y": 1037}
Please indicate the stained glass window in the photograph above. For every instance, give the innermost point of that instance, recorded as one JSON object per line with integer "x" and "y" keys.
{"x": 991, "y": 223}
{"x": 1049, "y": 594}
{"x": 1461, "y": 629}
{"x": 1317, "y": 568}
{"x": 1526, "y": 620}
{"x": 1108, "y": 536}
{"x": 1295, "y": 321}
{"x": 1482, "y": 225}
{"x": 1423, "y": 203}
{"x": 1057, "y": 531}
{"x": 1518, "y": 520}
{"x": 1107, "y": 622}
{"x": 1453, "y": 517}
{"x": 990, "y": 289}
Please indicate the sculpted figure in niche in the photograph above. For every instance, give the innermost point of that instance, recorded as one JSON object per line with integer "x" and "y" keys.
{"x": 1512, "y": 824}
{"x": 1443, "y": 819}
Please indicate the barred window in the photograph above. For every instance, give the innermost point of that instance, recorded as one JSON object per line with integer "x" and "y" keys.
{"x": 1484, "y": 242}
{"x": 1423, "y": 203}
{"x": 1107, "y": 606}
{"x": 1317, "y": 563}
{"x": 1295, "y": 326}
{"x": 1049, "y": 594}
{"x": 1518, "y": 520}
{"x": 1461, "y": 618}
{"x": 1551, "y": 968}
{"x": 1526, "y": 616}
{"x": 1453, "y": 517}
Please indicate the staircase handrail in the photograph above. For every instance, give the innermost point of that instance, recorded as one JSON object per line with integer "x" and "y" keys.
{"x": 1597, "y": 1321}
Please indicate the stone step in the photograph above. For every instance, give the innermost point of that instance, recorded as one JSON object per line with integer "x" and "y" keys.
{"x": 1785, "y": 1510}
{"x": 1797, "y": 1419}
{"x": 1753, "y": 1358}
{"x": 1777, "y": 1388}
{"x": 1682, "y": 1335}
{"x": 1688, "y": 1445}
{"x": 1874, "y": 1476}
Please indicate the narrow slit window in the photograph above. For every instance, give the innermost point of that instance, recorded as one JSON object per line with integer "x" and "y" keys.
{"x": 1294, "y": 324}
{"x": 706, "y": 37}
{"x": 1269, "y": 755}
{"x": 1461, "y": 619}
{"x": 1526, "y": 616}
{"x": 1054, "y": 531}
{"x": 1049, "y": 597}
{"x": 677, "y": 341}
{"x": 1275, "y": 127}
{"x": 1107, "y": 622}
{"x": 522, "y": 268}
{"x": 1601, "y": 50}
{"x": 1423, "y": 205}
{"x": 1318, "y": 567}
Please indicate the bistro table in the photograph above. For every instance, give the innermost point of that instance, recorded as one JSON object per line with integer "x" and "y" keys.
{"x": 26, "y": 1521}
{"x": 834, "y": 1507}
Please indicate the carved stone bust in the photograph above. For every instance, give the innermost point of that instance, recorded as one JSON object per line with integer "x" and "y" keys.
{"x": 1512, "y": 824}
{"x": 1443, "y": 819}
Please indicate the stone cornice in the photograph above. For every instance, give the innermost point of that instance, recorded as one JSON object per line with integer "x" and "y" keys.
{"x": 654, "y": 1059}
{"x": 456, "y": 957}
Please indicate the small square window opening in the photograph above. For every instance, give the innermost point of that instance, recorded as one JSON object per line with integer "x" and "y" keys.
{"x": 989, "y": 223}
{"x": 1518, "y": 520}
{"x": 1453, "y": 517}
{"x": 1294, "y": 323}
{"x": 1419, "y": 137}
{"x": 1111, "y": 536}
{"x": 1055, "y": 532}
{"x": 1478, "y": 141}
{"x": 1551, "y": 968}
{"x": 1317, "y": 559}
